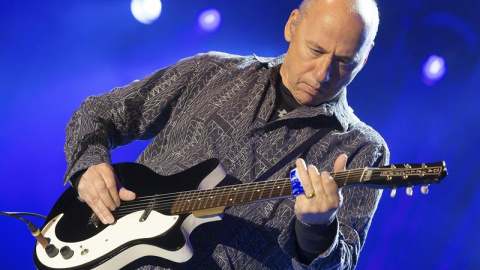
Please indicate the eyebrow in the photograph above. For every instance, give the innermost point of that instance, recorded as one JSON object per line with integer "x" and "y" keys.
{"x": 346, "y": 59}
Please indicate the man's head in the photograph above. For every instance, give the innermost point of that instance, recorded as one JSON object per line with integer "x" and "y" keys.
{"x": 329, "y": 44}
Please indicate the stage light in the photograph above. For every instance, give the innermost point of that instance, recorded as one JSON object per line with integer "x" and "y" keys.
{"x": 146, "y": 11}
{"x": 433, "y": 69}
{"x": 209, "y": 20}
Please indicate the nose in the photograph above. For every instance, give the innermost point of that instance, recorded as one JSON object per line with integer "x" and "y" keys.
{"x": 322, "y": 69}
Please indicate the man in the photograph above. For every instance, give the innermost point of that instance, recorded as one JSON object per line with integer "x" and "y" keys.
{"x": 250, "y": 112}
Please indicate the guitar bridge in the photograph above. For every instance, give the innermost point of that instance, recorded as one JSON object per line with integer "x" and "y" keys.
{"x": 94, "y": 220}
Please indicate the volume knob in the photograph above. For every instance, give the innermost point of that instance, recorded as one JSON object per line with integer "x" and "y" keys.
{"x": 51, "y": 250}
{"x": 66, "y": 252}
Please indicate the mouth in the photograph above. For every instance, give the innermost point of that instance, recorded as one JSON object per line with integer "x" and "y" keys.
{"x": 312, "y": 90}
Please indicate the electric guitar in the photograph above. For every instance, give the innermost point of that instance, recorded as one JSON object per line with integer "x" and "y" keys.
{"x": 168, "y": 208}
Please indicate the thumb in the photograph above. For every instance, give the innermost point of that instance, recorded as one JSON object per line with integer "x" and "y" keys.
{"x": 340, "y": 163}
{"x": 125, "y": 194}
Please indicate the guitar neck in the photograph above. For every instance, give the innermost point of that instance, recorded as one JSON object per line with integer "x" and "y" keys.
{"x": 393, "y": 176}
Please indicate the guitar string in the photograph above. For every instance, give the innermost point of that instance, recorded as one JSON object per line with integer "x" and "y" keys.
{"x": 339, "y": 178}
{"x": 218, "y": 197}
{"x": 245, "y": 186}
{"x": 267, "y": 186}
{"x": 219, "y": 202}
{"x": 174, "y": 196}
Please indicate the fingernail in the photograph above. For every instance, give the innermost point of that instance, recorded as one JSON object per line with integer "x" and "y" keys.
{"x": 314, "y": 167}
{"x": 304, "y": 164}
{"x": 104, "y": 220}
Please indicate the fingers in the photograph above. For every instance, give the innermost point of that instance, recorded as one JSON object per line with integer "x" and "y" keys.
{"x": 109, "y": 191}
{"x": 322, "y": 185}
{"x": 322, "y": 208}
{"x": 340, "y": 163}
{"x": 99, "y": 189}
{"x": 126, "y": 195}
{"x": 304, "y": 177}
{"x": 330, "y": 188}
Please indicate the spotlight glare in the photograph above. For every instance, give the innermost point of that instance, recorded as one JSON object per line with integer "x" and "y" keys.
{"x": 209, "y": 20}
{"x": 434, "y": 69}
{"x": 146, "y": 11}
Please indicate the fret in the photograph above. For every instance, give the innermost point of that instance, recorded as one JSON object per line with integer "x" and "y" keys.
{"x": 198, "y": 199}
{"x": 221, "y": 197}
{"x": 187, "y": 202}
{"x": 245, "y": 189}
{"x": 253, "y": 192}
{"x": 235, "y": 193}
{"x": 208, "y": 198}
{"x": 273, "y": 188}
{"x": 347, "y": 178}
{"x": 283, "y": 186}
{"x": 192, "y": 201}
{"x": 214, "y": 196}
{"x": 260, "y": 190}
{"x": 176, "y": 204}
{"x": 205, "y": 199}
{"x": 228, "y": 198}
{"x": 280, "y": 188}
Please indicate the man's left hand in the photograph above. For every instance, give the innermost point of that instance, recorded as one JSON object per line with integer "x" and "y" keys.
{"x": 322, "y": 196}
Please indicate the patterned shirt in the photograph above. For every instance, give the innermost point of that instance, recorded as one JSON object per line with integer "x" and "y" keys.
{"x": 218, "y": 105}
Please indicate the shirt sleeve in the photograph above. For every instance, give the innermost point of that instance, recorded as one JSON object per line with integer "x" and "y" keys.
{"x": 137, "y": 111}
{"x": 353, "y": 218}
{"x": 312, "y": 240}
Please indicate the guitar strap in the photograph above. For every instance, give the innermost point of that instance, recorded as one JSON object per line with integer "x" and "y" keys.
{"x": 295, "y": 152}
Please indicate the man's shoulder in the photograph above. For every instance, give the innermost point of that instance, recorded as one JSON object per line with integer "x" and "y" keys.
{"x": 367, "y": 133}
{"x": 216, "y": 57}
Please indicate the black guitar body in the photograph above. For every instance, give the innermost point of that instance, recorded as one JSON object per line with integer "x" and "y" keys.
{"x": 78, "y": 226}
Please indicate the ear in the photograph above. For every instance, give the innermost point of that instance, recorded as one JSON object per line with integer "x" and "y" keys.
{"x": 290, "y": 25}
{"x": 366, "y": 58}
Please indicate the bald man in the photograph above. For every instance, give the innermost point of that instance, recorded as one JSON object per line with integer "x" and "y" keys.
{"x": 250, "y": 113}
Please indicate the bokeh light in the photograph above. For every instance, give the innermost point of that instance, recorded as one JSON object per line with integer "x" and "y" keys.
{"x": 434, "y": 69}
{"x": 146, "y": 11}
{"x": 209, "y": 20}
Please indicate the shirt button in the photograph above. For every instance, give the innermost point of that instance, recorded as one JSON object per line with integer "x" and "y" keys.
{"x": 269, "y": 103}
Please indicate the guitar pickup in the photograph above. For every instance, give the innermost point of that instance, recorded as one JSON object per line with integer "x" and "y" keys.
{"x": 147, "y": 211}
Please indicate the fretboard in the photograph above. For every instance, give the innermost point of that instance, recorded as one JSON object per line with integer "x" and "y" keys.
{"x": 194, "y": 200}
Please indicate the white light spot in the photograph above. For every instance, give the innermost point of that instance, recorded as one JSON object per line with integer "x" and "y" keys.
{"x": 209, "y": 20}
{"x": 146, "y": 11}
{"x": 434, "y": 69}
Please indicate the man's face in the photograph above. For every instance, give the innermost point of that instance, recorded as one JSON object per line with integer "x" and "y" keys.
{"x": 326, "y": 52}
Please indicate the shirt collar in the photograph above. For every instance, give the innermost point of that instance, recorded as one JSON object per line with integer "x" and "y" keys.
{"x": 337, "y": 108}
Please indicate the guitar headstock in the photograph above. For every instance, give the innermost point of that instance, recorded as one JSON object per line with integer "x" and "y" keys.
{"x": 406, "y": 175}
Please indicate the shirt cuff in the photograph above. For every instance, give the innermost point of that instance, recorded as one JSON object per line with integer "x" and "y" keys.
{"x": 75, "y": 179}
{"x": 313, "y": 240}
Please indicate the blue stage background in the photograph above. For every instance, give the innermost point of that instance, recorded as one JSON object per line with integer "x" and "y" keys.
{"x": 55, "y": 53}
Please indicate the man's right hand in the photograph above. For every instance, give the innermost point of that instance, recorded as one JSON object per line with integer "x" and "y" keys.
{"x": 101, "y": 190}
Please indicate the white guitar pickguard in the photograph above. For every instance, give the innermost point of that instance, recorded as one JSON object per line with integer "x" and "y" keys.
{"x": 126, "y": 229}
